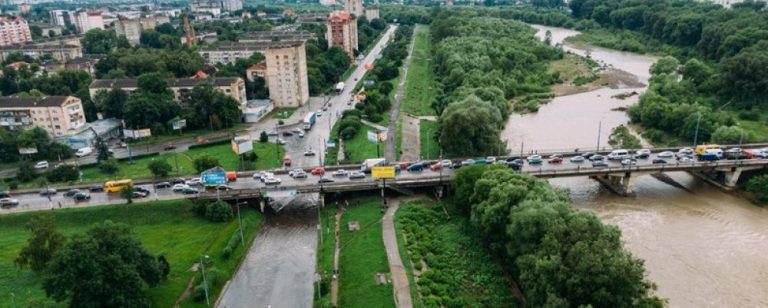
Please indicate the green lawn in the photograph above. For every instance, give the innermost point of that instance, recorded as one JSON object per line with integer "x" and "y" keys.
{"x": 186, "y": 134}
{"x": 283, "y": 113}
{"x": 420, "y": 88}
{"x": 362, "y": 255}
{"x": 325, "y": 252}
{"x": 359, "y": 148}
{"x": 270, "y": 157}
{"x": 163, "y": 227}
{"x": 430, "y": 149}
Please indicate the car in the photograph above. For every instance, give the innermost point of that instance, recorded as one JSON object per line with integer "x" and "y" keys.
{"x": 356, "y": 175}
{"x": 48, "y": 192}
{"x": 599, "y": 164}
{"x": 759, "y": 153}
{"x": 122, "y": 144}
{"x": 629, "y": 162}
{"x": 223, "y": 187}
{"x": 280, "y": 141}
{"x": 643, "y": 151}
{"x": 619, "y": 155}
{"x": 7, "y": 202}
{"x": 41, "y": 165}
{"x": 436, "y": 166}
{"x": 596, "y": 157}
{"x": 555, "y": 159}
{"x": 71, "y": 192}
{"x": 588, "y": 155}
{"x": 577, "y": 159}
{"x": 301, "y": 134}
{"x": 265, "y": 175}
{"x": 163, "y": 185}
{"x": 141, "y": 189}
{"x": 534, "y": 159}
{"x": 272, "y": 133}
{"x": 178, "y": 181}
{"x": 169, "y": 147}
{"x": 659, "y": 161}
{"x": 666, "y": 154}
{"x": 309, "y": 153}
{"x": 190, "y": 191}
{"x": 319, "y": 113}
{"x": 272, "y": 181}
{"x": 318, "y": 171}
{"x": 516, "y": 164}
{"x": 296, "y": 131}
{"x": 468, "y": 162}
{"x": 490, "y": 159}
{"x": 456, "y": 165}
{"x": 139, "y": 194}
{"x": 349, "y": 103}
{"x": 325, "y": 180}
{"x": 96, "y": 188}
{"x": 685, "y": 152}
{"x": 341, "y": 173}
{"x": 81, "y": 197}
{"x": 687, "y": 160}
{"x": 297, "y": 174}
{"x": 179, "y": 187}
{"x": 415, "y": 167}
{"x": 194, "y": 182}
{"x": 287, "y": 134}
{"x": 513, "y": 158}
{"x": 641, "y": 156}
{"x": 5, "y": 194}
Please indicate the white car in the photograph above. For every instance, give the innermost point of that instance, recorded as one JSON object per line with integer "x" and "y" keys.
{"x": 760, "y": 153}
{"x": 194, "y": 182}
{"x": 446, "y": 163}
{"x": 301, "y": 134}
{"x": 685, "y": 152}
{"x": 179, "y": 187}
{"x": 309, "y": 153}
{"x": 577, "y": 159}
{"x": 41, "y": 165}
{"x": 643, "y": 152}
{"x": 341, "y": 173}
{"x": 280, "y": 141}
{"x": 272, "y": 181}
{"x": 686, "y": 160}
{"x": 490, "y": 159}
{"x": 297, "y": 174}
{"x": 666, "y": 154}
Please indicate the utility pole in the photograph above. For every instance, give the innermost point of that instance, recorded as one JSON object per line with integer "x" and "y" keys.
{"x": 696, "y": 134}
{"x": 205, "y": 282}
{"x": 240, "y": 223}
{"x": 599, "y": 131}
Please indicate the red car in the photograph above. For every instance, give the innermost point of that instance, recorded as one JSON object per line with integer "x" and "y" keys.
{"x": 555, "y": 160}
{"x": 318, "y": 171}
{"x": 436, "y": 167}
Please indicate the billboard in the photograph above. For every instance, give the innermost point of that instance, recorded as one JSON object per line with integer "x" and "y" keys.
{"x": 177, "y": 125}
{"x": 373, "y": 136}
{"x": 27, "y": 151}
{"x": 383, "y": 172}
{"x": 214, "y": 176}
{"x": 242, "y": 144}
{"x": 137, "y": 133}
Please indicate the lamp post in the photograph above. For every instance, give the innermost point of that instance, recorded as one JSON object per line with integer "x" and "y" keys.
{"x": 205, "y": 282}
{"x": 696, "y": 134}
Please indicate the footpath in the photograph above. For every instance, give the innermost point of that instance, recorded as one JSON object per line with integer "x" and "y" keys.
{"x": 399, "y": 278}
{"x": 391, "y": 144}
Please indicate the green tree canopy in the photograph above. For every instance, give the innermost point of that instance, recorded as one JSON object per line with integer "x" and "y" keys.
{"x": 210, "y": 108}
{"x": 43, "y": 244}
{"x": 471, "y": 127}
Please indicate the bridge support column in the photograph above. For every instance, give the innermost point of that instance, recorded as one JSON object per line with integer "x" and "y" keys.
{"x": 621, "y": 184}
{"x": 321, "y": 200}
{"x": 262, "y": 204}
{"x": 731, "y": 178}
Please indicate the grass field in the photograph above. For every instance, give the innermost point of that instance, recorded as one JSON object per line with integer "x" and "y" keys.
{"x": 430, "y": 149}
{"x": 283, "y": 113}
{"x": 359, "y": 148}
{"x": 270, "y": 156}
{"x": 325, "y": 252}
{"x": 406, "y": 259}
{"x": 185, "y": 133}
{"x": 163, "y": 227}
{"x": 362, "y": 255}
{"x": 420, "y": 88}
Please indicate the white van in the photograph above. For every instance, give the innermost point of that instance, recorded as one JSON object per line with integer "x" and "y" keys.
{"x": 618, "y": 155}
{"x": 84, "y": 151}
{"x": 718, "y": 152}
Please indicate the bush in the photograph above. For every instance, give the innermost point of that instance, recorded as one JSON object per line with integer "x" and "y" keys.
{"x": 63, "y": 173}
{"x": 13, "y": 184}
{"x": 26, "y": 171}
{"x": 348, "y": 133}
{"x": 209, "y": 144}
{"x": 532, "y": 106}
{"x": 234, "y": 240}
{"x": 160, "y": 168}
{"x": 654, "y": 135}
{"x": 205, "y": 162}
{"x": 250, "y": 156}
{"x": 749, "y": 115}
{"x": 219, "y": 211}
{"x": 759, "y": 186}
{"x": 109, "y": 166}
{"x": 263, "y": 137}
{"x": 199, "y": 206}
{"x": 198, "y": 293}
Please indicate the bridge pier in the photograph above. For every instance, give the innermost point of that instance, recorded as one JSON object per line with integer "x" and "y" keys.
{"x": 726, "y": 179}
{"x": 262, "y": 204}
{"x": 731, "y": 178}
{"x": 621, "y": 184}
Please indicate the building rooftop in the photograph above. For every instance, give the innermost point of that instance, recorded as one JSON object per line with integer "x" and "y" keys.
{"x": 277, "y": 36}
{"x": 27, "y": 102}
{"x": 340, "y": 15}
{"x": 254, "y": 46}
{"x": 175, "y": 82}
{"x": 31, "y": 47}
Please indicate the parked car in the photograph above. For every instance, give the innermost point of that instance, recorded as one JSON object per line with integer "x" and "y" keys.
{"x": 341, "y": 173}
{"x": 179, "y": 187}
{"x": 659, "y": 161}
{"x": 8, "y": 202}
{"x": 534, "y": 159}
{"x": 356, "y": 175}
{"x": 272, "y": 133}
{"x": 272, "y": 181}
{"x": 163, "y": 185}
{"x": 666, "y": 154}
{"x": 280, "y": 141}
{"x": 41, "y": 165}
{"x": 189, "y": 190}
{"x": 81, "y": 197}
{"x": 301, "y": 134}
{"x": 287, "y": 134}
{"x": 296, "y": 131}
{"x": 96, "y": 188}
{"x": 48, "y": 192}
{"x": 325, "y": 180}
{"x": 555, "y": 159}
{"x": 318, "y": 171}
{"x": 577, "y": 159}
{"x": 309, "y": 153}
{"x": 71, "y": 192}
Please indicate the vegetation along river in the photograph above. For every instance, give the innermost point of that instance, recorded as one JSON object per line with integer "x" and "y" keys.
{"x": 702, "y": 247}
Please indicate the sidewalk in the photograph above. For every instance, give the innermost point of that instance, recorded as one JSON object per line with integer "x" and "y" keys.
{"x": 399, "y": 278}
{"x": 390, "y": 144}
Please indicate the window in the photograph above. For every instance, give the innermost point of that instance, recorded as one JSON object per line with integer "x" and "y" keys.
{"x": 57, "y": 127}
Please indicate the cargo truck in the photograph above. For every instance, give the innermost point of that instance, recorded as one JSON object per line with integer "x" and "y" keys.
{"x": 368, "y": 164}
{"x": 310, "y": 120}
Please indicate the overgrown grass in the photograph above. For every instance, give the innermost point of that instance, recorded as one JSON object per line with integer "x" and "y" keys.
{"x": 420, "y": 87}
{"x": 163, "y": 227}
{"x": 430, "y": 148}
{"x": 325, "y": 253}
{"x": 406, "y": 259}
{"x": 359, "y": 148}
{"x": 459, "y": 271}
{"x": 283, "y": 113}
{"x": 626, "y": 40}
{"x": 186, "y": 134}
{"x": 362, "y": 255}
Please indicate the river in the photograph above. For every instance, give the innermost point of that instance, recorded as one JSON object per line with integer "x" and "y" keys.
{"x": 702, "y": 247}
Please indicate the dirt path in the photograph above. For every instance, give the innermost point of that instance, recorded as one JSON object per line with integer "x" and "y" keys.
{"x": 399, "y": 277}
{"x": 335, "y": 281}
{"x": 411, "y": 139}
{"x": 391, "y": 145}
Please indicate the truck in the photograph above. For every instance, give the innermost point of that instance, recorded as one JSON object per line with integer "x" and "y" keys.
{"x": 368, "y": 164}
{"x": 339, "y": 87}
{"x": 287, "y": 160}
{"x": 310, "y": 120}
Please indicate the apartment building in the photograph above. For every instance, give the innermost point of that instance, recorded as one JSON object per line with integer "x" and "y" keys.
{"x": 207, "y": 7}
{"x": 62, "y": 53}
{"x": 232, "y": 5}
{"x": 354, "y": 7}
{"x": 58, "y": 115}
{"x": 372, "y": 12}
{"x": 87, "y": 20}
{"x": 61, "y": 17}
{"x": 132, "y": 27}
{"x": 276, "y": 36}
{"x": 286, "y": 75}
{"x": 255, "y": 71}
{"x": 181, "y": 87}
{"x": 341, "y": 30}
{"x": 229, "y": 52}
{"x": 14, "y": 30}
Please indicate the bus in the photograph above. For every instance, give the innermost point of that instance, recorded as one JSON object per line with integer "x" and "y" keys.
{"x": 116, "y": 186}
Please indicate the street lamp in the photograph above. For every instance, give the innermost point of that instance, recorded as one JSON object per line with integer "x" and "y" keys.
{"x": 205, "y": 282}
{"x": 696, "y": 134}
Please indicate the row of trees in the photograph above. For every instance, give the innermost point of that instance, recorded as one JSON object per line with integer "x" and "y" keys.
{"x": 559, "y": 256}
{"x": 482, "y": 63}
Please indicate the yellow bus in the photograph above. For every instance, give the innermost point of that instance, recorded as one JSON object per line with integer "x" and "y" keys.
{"x": 116, "y": 186}
{"x": 701, "y": 149}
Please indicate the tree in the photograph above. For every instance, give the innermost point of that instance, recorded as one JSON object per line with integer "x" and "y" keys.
{"x": 160, "y": 168}
{"x": 263, "y": 137}
{"x": 665, "y": 65}
{"x": 127, "y": 194}
{"x": 207, "y": 103}
{"x": 111, "y": 102}
{"x": 102, "y": 150}
{"x": 109, "y": 166}
{"x": 759, "y": 186}
{"x": 219, "y": 211}
{"x": 205, "y": 162}
{"x": 622, "y": 138}
{"x": 145, "y": 110}
{"x": 470, "y": 127}
{"x": 728, "y": 135}
{"x": 154, "y": 83}
{"x": 105, "y": 267}
{"x": 26, "y": 171}
{"x": 99, "y": 41}
{"x": 43, "y": 244}
{"x": 463, "y": 185}
{"x": 63, "y": 173}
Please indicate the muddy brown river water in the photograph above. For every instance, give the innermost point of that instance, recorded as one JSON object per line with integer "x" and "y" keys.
{"x": 702, "y": 247}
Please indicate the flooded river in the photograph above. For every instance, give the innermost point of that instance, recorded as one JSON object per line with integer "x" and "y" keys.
{"x": 702, "y": 247}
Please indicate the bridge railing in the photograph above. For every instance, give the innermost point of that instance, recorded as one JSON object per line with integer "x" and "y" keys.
{"x": 655, "y": 168}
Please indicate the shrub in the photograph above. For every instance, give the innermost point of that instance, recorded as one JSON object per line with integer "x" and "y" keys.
{"x": 160, "y": 168}
{"x": 532, "y": 106}
{"x": 13, "y": 184}
{"x": 234, "y": 240}
{"x": 219, "y": 211}
{"x": 759, "y": 186}
{"x": 749, "y": 115}
{"x": 348, "y": 133}
{"x": 199, "y": 206}
{"x": 109, "y": 166}
{"x": 26, "y": 171}
{"x": 263, "y": 137}
{"x": 654, "y": 135}
{"x": 63, "y": 173}
{"x": 205, "y": 162}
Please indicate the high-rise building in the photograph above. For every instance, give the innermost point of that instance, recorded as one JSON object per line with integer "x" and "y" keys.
{"x": 58, "y": 115}
{"x": 354, "y": 7}
{"x": 85, "y": 21}
{"x": 232, "y": 5}
{"x": 371, "y": 12}
{"x": 61, "y": 17}
{"x": 132, "y": 27}
{"x": 341, "y": 30}
{"x": 286, "y": 75}
{"x": 14, "y": 30}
